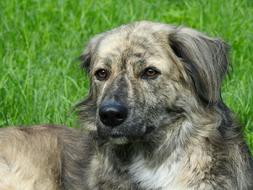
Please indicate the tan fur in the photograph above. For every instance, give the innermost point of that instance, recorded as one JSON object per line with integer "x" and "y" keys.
{"x": 29, "y": 159}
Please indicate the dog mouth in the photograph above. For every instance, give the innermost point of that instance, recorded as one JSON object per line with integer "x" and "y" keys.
{"x": 124, "y": 134}
{"x": 120, "y": 139}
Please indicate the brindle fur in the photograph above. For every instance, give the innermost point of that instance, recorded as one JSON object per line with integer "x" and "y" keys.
{"x": 178, "y": 134}
{"x": 194, "y": 141}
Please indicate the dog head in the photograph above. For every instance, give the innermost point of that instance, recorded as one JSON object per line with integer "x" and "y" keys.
{"x": 144, "y": 75}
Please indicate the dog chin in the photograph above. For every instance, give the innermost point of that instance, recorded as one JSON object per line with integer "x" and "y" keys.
{"x": 118, "y": 140}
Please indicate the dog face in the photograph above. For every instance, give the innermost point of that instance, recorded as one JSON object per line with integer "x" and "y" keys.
{"x": 145, "y": 76}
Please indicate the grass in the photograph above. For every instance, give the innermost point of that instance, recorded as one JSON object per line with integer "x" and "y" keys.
{"x": 40, "y": 79}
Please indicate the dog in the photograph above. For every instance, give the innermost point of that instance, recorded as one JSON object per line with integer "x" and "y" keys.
{"x": 154, "y": 115}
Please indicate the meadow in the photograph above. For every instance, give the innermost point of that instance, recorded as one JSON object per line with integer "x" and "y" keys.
{"x": 40, "y": 41}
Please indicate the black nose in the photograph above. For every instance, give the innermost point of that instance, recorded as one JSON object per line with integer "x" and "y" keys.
{"x": 112, "y": 113}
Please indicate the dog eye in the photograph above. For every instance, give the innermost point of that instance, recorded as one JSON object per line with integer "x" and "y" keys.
{"x": 101, "y": 74}
{"x": 150, "y": 73}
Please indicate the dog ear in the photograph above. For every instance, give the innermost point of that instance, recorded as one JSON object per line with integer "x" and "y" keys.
{"x": 205, "y": 61}
{"x": 87, "y": 108}
{"x": 88, "y": 54}
{"x": 86, "y": 57}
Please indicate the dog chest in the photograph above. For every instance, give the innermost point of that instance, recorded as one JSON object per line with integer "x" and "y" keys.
{"x": 161, "y": 177}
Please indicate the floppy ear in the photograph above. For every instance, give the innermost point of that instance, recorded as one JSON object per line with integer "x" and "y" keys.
{"x": 204, "y": 59}
{"x": 87, "y": 108}
{"x": 88, "y": 54}
{"x": 85, "y": 59}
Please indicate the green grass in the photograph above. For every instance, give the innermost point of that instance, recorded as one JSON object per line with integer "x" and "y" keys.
{"x": 40, "y": 79}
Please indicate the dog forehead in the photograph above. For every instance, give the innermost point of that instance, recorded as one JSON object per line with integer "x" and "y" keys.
{"x": 119, "y": 42}
{"x": 135, "y": 45}
{"x": 141, "y": 42}
{"x": 143, "y": 34}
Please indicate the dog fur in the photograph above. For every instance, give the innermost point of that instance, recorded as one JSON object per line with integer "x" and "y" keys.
{"x": 34, "y": 158}
{"x": 178, "y": 133}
